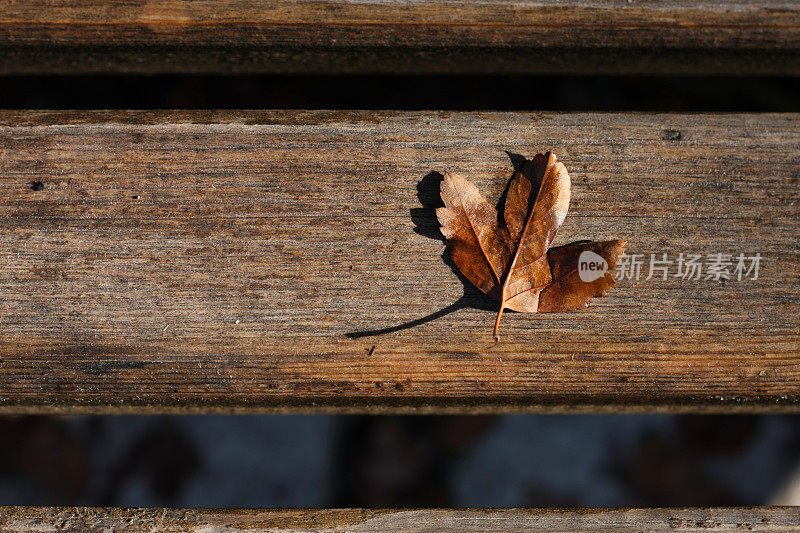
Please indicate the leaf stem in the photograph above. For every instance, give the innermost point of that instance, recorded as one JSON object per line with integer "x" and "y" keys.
{"x": 497, "y": 321}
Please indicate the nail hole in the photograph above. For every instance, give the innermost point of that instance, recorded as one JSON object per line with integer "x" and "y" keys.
{"x": 37, "y": 185}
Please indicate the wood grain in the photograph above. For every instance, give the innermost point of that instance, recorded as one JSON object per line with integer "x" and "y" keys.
{"x": 291, "y": 261}
{"x": 24, "y": 519}
{"x": 428, "y": 36}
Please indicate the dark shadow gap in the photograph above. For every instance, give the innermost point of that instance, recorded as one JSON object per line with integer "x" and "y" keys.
{"x": 237, "y": 461}
{"x": 404, "y": 92}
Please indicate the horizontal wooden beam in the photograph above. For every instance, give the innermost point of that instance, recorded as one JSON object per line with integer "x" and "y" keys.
{"x": 291, "y": 261}
{"x": 765, "y": 519}
{"x": 429, "y": 36}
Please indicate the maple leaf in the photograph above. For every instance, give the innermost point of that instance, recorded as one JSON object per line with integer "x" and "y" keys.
{"x": 512, "y": 261}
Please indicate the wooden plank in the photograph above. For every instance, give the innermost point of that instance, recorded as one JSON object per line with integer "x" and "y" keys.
{"x": 291, "y": 261}
{"x": 24, "y": 519}
{"x": 329, "y": 36}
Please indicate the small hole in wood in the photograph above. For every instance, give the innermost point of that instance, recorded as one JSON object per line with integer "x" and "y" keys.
{"x": 37, "y": 185}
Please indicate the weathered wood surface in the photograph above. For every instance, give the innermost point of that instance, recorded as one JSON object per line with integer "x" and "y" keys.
{"x": 256, "y": 261}
{"x": 24, "y": 519}
{"x": 298, "y": 36}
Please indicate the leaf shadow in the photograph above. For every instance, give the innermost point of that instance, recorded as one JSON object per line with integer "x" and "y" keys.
{"x": 427, "y": 225}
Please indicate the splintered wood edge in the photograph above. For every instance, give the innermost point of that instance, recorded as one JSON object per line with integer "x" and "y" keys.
{"x": 423, "y": 407}
{"x": 24, "y": 519}
{"x": 300, "y": 36}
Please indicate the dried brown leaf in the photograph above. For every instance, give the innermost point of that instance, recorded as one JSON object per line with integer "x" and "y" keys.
{"x": 512, "y": 263}
{"x": 479, "y": 246}
{"x": 568, "y": 291}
